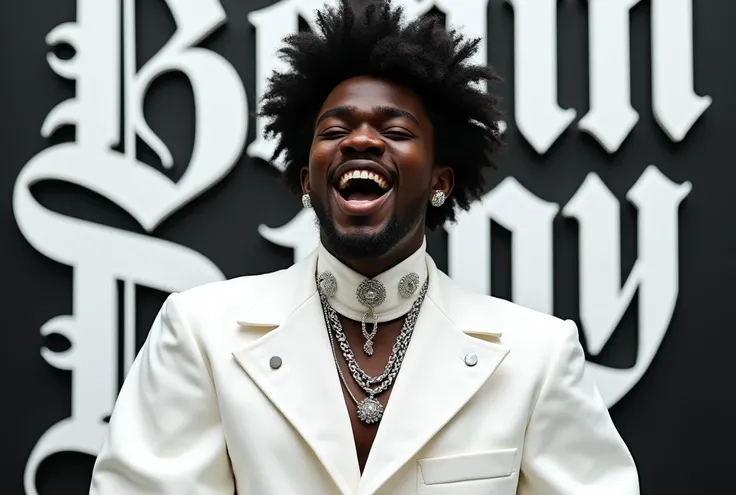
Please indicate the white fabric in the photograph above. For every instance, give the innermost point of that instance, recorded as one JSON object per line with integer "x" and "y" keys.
{"x": 202, "y": 412}
{"x": 345, "y": 301}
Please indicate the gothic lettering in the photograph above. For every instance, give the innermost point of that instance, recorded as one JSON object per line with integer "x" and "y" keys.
{"x": 538, "y": 115}
{"x": 676, "y": 106}
{"x": 603, "y": 300}
{"x": 529, "y": 218}
{"x": 101, "y": 255}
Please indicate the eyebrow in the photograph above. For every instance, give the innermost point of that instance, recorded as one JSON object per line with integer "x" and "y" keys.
{"x": 384, "y": 110}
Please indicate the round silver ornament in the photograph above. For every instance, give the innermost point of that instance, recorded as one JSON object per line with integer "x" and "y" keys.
{"x": 408, "y": 285}
{"x": 371, "y": 293}
{"x": 370, "y": 410}
{"x": 438, "y": 198}
{"x": 327, "y": 284}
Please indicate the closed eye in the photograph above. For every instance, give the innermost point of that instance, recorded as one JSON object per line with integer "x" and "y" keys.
{"x": 334, "y": 133}
{"x": 398, "y": 133}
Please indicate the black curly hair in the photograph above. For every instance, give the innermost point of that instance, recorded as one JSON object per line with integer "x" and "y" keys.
{"x": 422, "y": 55}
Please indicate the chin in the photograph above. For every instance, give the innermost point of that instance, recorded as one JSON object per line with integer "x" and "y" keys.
{"x": 361, "y": 230}
{"x": 357, "y": 241}
{"x": 361, "y": 237}
{"x": 361, "y": 242}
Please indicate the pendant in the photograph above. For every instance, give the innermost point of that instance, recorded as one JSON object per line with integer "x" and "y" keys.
{"x": 368, "y": 348}
{"x": 370, "y": 410}
{"x": 408, "y": 285}
{"x": 371, "y": 293}
{"x": 327, "y": 284}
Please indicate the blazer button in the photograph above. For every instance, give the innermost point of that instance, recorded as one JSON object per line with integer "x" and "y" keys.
{"x": 275, "y": 362}
{"x": 471, "y": 359}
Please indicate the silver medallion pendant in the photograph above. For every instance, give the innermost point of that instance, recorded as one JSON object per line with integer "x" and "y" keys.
{"x": 371, "y": 293}
{"x": 370, "y": 410}
{"x": 327, "y": 284}
{"x": 408, "y": 285}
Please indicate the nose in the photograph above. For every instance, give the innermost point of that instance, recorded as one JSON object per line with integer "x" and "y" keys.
{"x": 363, "y": 141}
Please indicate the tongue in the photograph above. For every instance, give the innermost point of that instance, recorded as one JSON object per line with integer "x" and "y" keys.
{"x": 362, "y": 196}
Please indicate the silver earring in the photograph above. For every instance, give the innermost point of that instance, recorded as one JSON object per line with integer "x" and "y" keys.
{"x": 307, "y": 201}
{"x": 438, "y": 198}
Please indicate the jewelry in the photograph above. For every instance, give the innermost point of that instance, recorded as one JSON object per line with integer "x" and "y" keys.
{"x": 370, "y": 293}
{"x": 370, "y": 410}
{"x": 327, "y": 284}
{"x": 306, "y": 201}
{"x": 408, "y": 285}
{"x": 438, "y": 198}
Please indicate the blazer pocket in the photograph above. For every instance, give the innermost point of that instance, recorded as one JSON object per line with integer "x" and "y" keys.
{"x": 467, "y": 467}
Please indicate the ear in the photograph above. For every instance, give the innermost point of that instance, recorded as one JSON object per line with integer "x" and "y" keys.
{"x": 305, "y": 180}
{"x": 443, "y": 179}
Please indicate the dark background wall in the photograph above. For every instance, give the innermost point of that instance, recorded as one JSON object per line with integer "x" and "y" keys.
{"x": 677, "y": 419}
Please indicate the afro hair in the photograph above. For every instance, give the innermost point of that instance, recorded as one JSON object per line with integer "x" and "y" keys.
{"x": 422, "y": 55}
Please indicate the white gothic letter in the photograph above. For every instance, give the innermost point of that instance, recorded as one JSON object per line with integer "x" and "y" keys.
{"x": 102, "y": 255}
{"x": 611, "y": 117}
{"x": 676, "y": 106}
{"x": 603, "y": 300}
{"x": 530, "y": 220}
{"x": 300, "y": 233}
{"x": 221, "y": 110}
{"x": 538, "y": 115}
{"x": 94, "y": 36}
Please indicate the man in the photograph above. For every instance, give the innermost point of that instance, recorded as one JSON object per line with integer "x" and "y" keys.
{"x": 364, "y": 369}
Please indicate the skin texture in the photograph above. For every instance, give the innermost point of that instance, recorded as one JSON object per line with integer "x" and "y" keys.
{"x": 386, "y": 126}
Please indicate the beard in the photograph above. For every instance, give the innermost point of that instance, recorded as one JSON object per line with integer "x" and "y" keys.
{"x": 369, "y": 245}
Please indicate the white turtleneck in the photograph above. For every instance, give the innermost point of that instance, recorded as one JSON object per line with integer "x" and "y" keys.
{"x": 345, "y": 301}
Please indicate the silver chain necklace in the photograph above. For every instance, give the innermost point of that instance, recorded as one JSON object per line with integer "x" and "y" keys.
{"x": 370, "y": 293}
{"x": 370, "y": 410}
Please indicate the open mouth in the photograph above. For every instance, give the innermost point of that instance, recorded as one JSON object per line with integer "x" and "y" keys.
{"x": 362, "y": 186}
{"x": 362, "y": 192}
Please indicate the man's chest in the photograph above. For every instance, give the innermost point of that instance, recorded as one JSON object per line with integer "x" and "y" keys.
{"x": 260, "y": 436}
{"x": 374, "y": 365}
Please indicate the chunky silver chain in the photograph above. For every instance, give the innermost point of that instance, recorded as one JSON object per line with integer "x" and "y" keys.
{"x": 396, "y": 358}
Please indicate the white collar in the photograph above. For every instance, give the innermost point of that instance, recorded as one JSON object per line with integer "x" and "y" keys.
{"x": 345, "y": 301}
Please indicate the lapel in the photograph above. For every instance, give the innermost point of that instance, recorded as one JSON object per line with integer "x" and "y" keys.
{"x": 306, "y": 388}
{"x": 434, "y": 382}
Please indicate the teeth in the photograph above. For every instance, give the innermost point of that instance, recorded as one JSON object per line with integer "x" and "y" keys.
{"x": 363, "y": 174}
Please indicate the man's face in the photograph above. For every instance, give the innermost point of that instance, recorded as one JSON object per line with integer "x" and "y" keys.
{"x": 371, "y": 168}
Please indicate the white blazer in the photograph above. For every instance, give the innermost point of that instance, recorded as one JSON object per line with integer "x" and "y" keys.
{"x": 202, "y": 412}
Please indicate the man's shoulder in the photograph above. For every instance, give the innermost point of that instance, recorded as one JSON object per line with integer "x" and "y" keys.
{"x": 477, "y": 312}
{"x": 236, "y": 291}
{"x": 514, "y": 316}
{"x": 534, "y": 338}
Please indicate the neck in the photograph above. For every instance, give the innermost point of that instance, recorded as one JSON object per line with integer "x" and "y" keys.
{"x": 349, "y": 282}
